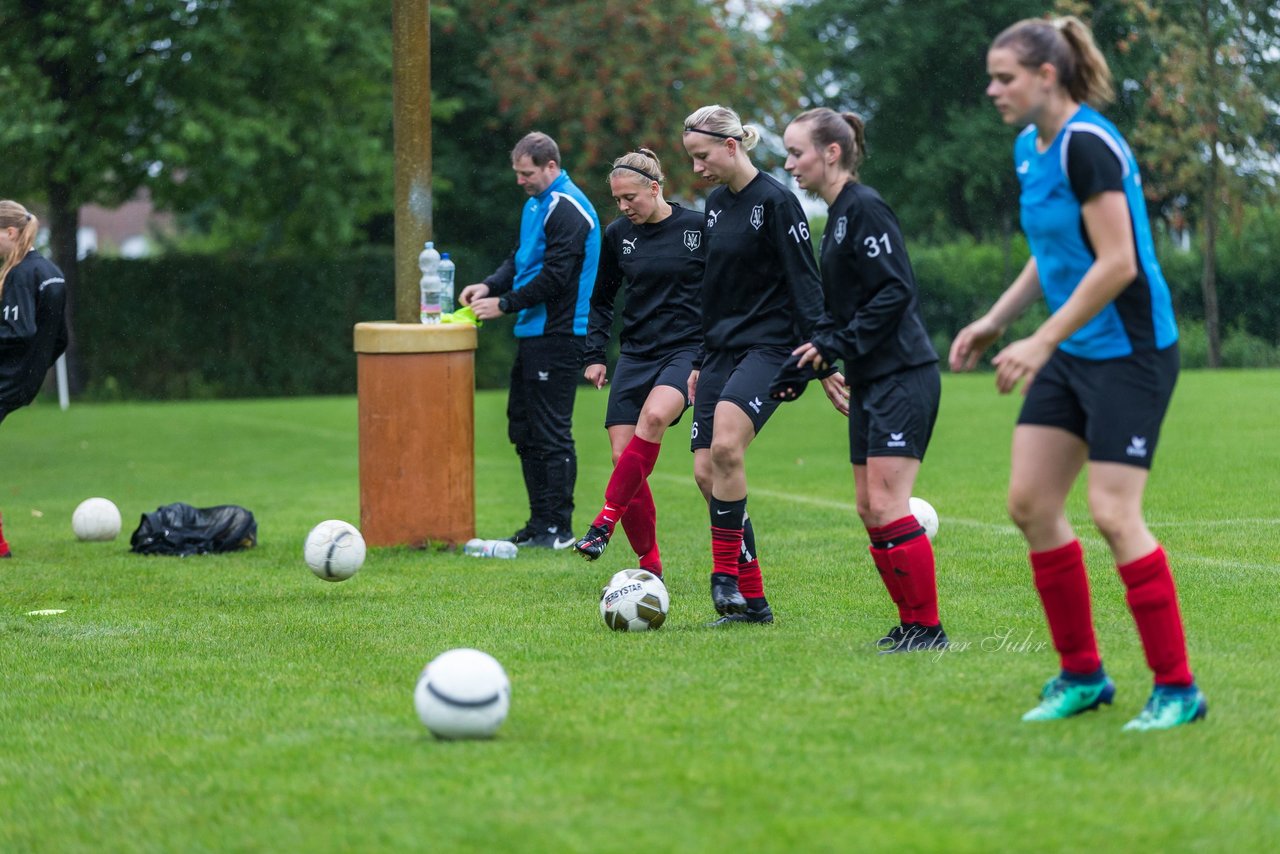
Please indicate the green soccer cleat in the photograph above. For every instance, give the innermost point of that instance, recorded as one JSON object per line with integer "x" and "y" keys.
{"x": 1062, "y": 698}
{"x": 1170, "y": 706}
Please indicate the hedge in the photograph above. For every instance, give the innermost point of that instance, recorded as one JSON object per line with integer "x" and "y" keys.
{"x": 204, "y": 327}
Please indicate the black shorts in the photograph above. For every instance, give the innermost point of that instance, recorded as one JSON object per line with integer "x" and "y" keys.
{"x": 893, "y": 416}
{"x": 1115, "y": 405}
{"x": 634, "y": 378}
{"x": 742, "y": 378}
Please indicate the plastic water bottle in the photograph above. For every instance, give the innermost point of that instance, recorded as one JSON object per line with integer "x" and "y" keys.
{"x": 429, "y": 284}
{"x": 490, "y": 548}
{"x": 447, "y": 269}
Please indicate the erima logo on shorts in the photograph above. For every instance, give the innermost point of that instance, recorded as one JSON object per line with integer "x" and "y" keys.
{"x": 628, "y": 246}
{"x": 756, "y": 404}
{"x": 543, "y": 376}
{"x": 896, "y": 441}
{"x": 1137, "y": 446}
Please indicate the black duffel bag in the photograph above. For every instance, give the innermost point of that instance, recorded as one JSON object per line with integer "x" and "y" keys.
{"x": 182, "y": 530}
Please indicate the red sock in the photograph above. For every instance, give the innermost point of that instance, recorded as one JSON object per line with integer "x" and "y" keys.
{"x": 1153, "y": 599}
{"x": 640, "y": 525}
{"x": 1063, "y": 585}
{"x": 880, "y": 557}
{"x": 904, "y": 557}
{"x": 4, "y": 546}
{"x": 628, "y": 476}
{"x": 726, "y": 544}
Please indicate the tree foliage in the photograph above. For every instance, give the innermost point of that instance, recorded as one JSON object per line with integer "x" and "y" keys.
{"x": 1207, "y": 126}
{"x": 916, "y": 72}
{"x": 606, "y": 76}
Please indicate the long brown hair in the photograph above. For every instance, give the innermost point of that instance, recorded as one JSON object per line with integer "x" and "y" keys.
{"x": 14, "y": 215}
{"x": 1067, "y": 44}
{"x": 846, "y": 130}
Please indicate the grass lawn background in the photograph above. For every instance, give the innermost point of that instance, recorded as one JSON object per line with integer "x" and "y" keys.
{"x": 237, "y": 703}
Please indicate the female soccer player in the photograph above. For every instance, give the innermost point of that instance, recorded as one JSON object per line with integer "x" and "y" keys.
{"x": 1097, "y": 375}
{"x": 761, "y": 297}
{"x": 656, "y": 246}
{"x": 874, "y": 323}
{"x": 33, "y": 328}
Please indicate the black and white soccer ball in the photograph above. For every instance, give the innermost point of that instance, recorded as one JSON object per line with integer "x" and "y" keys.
{"x": 334, "y": 550}
{"x": 634, "y": 600}
{"x": 463, "y": 693}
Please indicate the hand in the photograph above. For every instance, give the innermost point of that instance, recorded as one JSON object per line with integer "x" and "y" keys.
{"x": 693, "y": 384}
{"x": 837, "y": 392}
{"x": 486, "y": 308}
{"x": 971, "y": 342}
{"x": 473, "y": 292}
{"x": 809, "y": 354}
{"x": 1020, "y": 360}
{"x": 595, "y": 375}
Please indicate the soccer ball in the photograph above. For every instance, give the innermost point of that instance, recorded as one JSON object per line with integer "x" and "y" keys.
{"x": 463, "y": 693}
{"x": 634, "y": 600}
{"x": 96, "y": 519}
{"x": 334, "y": 550}
{"x": 925, "y": 515}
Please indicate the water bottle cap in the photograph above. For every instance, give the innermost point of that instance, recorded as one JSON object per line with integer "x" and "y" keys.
{"x": 444, "y": 255}
{"x": 430, "y": 244}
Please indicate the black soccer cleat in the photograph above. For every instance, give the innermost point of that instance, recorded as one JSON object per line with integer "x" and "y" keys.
{"x": 725, "y": 595}
{"x": 762, "y": 614}
{"x": 593, "y": 543}
{"x": 912, "y": 637}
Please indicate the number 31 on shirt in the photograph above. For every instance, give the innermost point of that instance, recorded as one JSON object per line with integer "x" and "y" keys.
{"x": 873, "y": 245}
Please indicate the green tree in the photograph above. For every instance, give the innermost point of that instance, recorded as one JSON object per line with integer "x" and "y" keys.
{"x": 916, "y": 72}
{"x": 607, "y": 76}
{"x": 266, "y": 124}
{"x": 1210, "y": 128}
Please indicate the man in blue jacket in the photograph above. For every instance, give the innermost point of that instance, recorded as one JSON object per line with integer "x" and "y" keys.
{"x": 548, "y": 279}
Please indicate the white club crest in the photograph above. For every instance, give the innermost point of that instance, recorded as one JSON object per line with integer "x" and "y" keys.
{"x": 757, "y": 217}
{"x": 842, "y": 227}
{"x": 692, "y": 240}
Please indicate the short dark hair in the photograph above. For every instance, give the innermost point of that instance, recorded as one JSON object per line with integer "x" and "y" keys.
{"x": 539, "y": 147}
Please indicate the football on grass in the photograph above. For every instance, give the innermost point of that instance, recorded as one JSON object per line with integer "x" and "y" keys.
{"x": 463, "y": 693}
{"x": 96, "y": 519}
{"x": 334, "y": 550}
{"x": 634, "y": 600}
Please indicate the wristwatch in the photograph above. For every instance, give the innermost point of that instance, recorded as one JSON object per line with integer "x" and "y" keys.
{"x": 504, "y": 303}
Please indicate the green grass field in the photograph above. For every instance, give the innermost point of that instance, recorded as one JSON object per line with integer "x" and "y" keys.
{"x": 237, "y": 703}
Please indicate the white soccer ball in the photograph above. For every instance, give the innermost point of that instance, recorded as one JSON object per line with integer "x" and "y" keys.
{"x": 463, "y": 693}
{"x": 334, "y": 550}
{"x": 925, "y": 514}
{"x": 634, "y": 600}
{"x": 96, "y": 519}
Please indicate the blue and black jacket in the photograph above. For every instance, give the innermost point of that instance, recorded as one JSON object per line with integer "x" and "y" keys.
{"x": 548, "y": 278}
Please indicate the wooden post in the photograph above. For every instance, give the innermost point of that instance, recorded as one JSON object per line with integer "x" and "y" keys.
{"x": 411, "y": 130}
{"x": 417, "y": 432}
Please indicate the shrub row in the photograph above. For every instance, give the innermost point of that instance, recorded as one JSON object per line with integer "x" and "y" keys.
{"x": 202, "y": 327}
